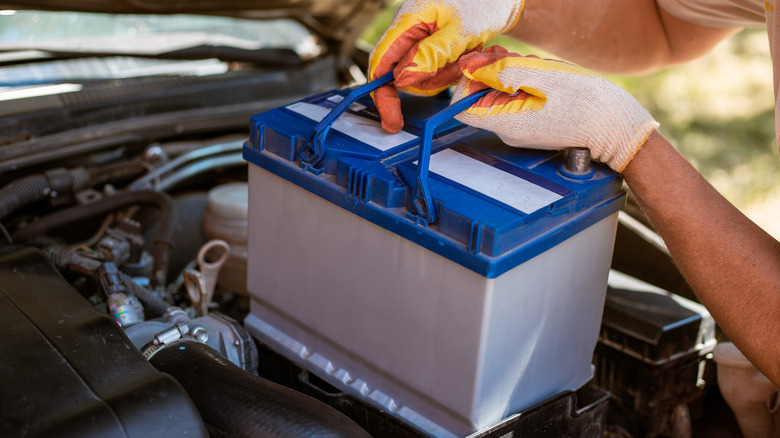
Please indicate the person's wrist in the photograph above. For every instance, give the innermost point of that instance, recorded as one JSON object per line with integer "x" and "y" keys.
{"x": 617, "y": 121}
{"x": 625, "y": 154}
{"x": 653, "y": 140}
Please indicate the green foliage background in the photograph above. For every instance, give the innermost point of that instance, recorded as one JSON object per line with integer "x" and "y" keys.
{"x": 717, "y": 110}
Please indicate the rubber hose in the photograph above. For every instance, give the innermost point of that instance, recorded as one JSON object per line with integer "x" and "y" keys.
{"x": 236, "y": 403}
{"x": 154, "y": 306}
{"x": 117, "y": 171}
{"x": 162, "y": 243}
{"x": 23, "y": 191}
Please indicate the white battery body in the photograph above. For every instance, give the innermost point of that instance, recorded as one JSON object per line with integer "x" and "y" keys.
{"x": 389, "y": 321}
{"x": 450, "y": 321}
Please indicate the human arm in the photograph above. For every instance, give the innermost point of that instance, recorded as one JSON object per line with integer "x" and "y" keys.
{"x": 731, "y": 263}
{"x": 614, "y": 36}
{"x": 611, "y": 36}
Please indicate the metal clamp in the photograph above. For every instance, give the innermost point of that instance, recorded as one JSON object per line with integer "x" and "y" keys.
{"x": 165, "y": 337}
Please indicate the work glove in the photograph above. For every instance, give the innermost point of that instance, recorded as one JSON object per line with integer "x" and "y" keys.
{"x": 424, "y": 42}
{"x": 548, "y": 104}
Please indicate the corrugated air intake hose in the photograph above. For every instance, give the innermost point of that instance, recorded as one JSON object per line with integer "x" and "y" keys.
{"x": 33, "y": 188}
{"x": 236, "y": 403}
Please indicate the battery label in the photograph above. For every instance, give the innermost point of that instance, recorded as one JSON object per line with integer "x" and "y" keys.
{"x": 356, "y": 108}
{"x": 364, "y": 129}
{"x": 495, "y": 183}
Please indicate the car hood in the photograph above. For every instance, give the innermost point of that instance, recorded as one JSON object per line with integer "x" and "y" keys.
{"x": 338, "y": 21}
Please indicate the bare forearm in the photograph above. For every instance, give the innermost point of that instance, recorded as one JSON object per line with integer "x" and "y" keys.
{"x": 614, "y": 36}
{"x": 731, "y": 263}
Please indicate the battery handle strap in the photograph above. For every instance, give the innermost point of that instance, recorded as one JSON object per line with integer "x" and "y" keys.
{"x": 422, "y": 201}
{"x": 313, "y": 149}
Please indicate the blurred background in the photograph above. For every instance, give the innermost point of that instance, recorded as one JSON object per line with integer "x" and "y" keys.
{"x": 717, "y": 110}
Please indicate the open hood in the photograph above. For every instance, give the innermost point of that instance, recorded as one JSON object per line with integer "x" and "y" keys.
{"x": 172, "y": 66}
{"x": 339, "y": 22}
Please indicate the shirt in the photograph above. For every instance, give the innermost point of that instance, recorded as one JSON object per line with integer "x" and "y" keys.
{"x": 735, "y": 13}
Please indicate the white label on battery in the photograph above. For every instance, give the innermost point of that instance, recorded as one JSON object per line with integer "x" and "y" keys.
{"x": 494, "y": 183}
{"x": 337, "y": 98}
{"x": 366, "y": 130}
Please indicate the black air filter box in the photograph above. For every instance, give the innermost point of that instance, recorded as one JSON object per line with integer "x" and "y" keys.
{"x": 68, "y": 370}
{"x": 651, "y": 355}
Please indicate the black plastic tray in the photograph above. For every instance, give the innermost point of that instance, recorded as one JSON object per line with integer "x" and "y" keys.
{"x": 576, "y": 414}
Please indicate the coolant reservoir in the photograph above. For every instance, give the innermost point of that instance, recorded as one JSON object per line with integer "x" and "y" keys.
{"x": 226, "y": 219}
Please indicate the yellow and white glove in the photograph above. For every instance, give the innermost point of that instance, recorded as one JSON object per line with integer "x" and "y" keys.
{"x": 424, "y": 42}
{"x": 547, "y": 104}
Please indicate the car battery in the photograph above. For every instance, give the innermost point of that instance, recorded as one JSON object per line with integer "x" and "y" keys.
{"x": 435, "y": 273}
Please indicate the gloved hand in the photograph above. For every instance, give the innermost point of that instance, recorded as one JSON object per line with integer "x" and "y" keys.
{"x": 424, "y": 42}
{"x": 547, "y": 104}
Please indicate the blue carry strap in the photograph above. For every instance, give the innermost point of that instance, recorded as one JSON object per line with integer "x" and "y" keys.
{"x": 424, "y": 212}
{"x": 314, "y": 149}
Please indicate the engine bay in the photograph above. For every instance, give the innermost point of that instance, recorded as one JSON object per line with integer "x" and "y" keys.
{"x": 123, "y": 287}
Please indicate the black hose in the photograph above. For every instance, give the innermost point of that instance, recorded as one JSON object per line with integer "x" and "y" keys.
{"x": 236, "y": 403}
{"x": 154, "y": 306}
{"x": 26, "y": 190}
{"x": 118, "y": 171}
{"x": 162, "y": 243}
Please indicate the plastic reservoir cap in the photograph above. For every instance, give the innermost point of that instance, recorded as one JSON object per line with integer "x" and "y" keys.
{"x": 230, "y": 201}
{"x": 727, "y": 354}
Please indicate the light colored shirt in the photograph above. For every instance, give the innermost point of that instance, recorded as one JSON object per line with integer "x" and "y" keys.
{"x": 718, "y": 13}
{"x": 735, "y": 13}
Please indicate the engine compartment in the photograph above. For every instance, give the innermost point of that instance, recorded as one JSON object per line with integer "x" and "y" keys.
{"x": 94, "y": 294}
{"x": 76, "y": 372}
{"x": 107, "y": 261}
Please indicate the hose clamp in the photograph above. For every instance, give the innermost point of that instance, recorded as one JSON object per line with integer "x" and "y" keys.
{"x": 164, "y": 338}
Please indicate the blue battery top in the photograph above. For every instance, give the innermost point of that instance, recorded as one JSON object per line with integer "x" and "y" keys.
{"x": 464, "y": 194}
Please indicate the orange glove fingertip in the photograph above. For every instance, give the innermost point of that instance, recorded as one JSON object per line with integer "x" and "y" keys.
{"x": 388, "y": 104}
